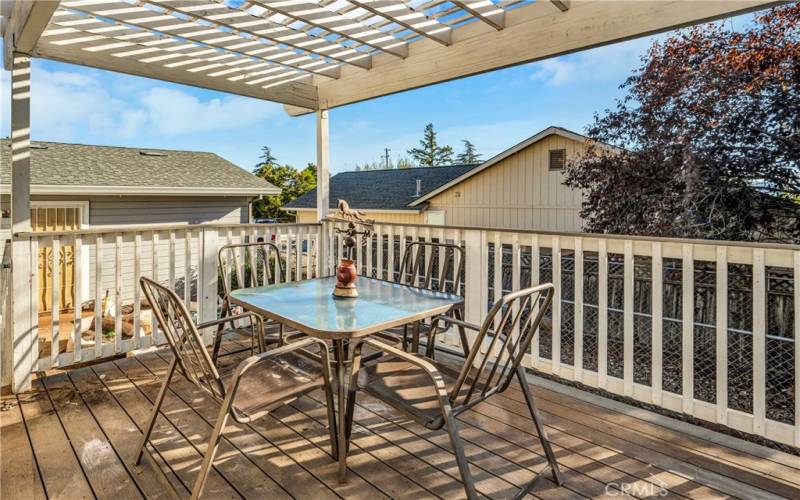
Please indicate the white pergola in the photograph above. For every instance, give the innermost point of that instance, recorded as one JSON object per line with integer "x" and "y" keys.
{"x": 310, "y": 55}
{"x": 314, "y": 55}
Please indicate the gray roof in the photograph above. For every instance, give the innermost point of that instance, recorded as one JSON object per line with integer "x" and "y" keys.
{"x": 382, "y": 189}
{"x": 73, "y": 166}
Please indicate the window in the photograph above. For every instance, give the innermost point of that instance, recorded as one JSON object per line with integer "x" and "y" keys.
{"x": 558, "y": 158}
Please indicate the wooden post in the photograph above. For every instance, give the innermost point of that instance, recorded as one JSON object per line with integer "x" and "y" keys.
{"x": 323, "y": 164}
{"x": 323, "y": 190}
{"x": 24, "y": 304}
{"x": 475, "y": 279}
{"x": 207, "y": 292}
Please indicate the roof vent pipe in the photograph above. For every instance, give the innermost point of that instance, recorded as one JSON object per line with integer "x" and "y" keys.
{"x": 419, "y": 188}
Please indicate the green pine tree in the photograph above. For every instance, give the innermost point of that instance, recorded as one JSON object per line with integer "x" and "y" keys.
{"x": 470, "y": 154}
{"x": 430, "y": 154}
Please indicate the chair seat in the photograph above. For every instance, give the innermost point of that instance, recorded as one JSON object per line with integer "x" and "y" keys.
{"x": 273, "y": 381}
{"x": 407, "y": 387}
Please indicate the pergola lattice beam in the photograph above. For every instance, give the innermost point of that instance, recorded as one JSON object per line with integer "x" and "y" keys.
{"x": 155, "y": 23}
{"x": 329, "y": 20}
{"x": 398, "y": 12}
{"x": 240, "y": 21}
{"x": 485, "y": 10}
{"x": 296, "y": 93}
{"x": 531, "y": 33}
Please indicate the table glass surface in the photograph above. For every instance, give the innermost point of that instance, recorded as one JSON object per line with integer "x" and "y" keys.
{"x": 310, "y": 306}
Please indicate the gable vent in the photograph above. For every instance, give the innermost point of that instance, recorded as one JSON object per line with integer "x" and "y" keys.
{"x": 152, "y": 153}
{"x": 558, "y": 158}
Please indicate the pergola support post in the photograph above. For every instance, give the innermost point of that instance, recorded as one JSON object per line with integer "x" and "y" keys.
{"x": 323, "y": 185}
{"x": 24, "y": 330}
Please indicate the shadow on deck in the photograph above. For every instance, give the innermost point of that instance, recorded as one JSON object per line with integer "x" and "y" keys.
{"x": 75, "y": 434}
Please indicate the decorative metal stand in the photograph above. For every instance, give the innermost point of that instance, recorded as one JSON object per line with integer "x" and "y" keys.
{"x": 346, "y": 272}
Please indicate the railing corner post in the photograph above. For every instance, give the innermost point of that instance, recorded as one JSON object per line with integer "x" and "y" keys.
{"x": 24, "y": 329}
{"x": 207, "y": 295}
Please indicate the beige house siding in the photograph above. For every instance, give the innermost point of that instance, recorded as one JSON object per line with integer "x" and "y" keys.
{"x": 519, "y": 192}
{"x": 310, "y": 216}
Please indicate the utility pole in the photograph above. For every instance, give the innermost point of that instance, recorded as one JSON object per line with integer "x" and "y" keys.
{"x": 386, "y": 158}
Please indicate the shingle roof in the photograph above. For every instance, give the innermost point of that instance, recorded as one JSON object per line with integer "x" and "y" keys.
{"x": 382, "y": 189}
{"x": 78, "y": 165}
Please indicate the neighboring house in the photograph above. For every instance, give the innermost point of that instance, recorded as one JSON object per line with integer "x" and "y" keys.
{"x": 77, "y": 186}
{"x": 383, "y": 195}
{"x": 520, "y": 188}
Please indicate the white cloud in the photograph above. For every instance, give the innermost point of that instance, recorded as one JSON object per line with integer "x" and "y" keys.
{"x": 171, "y": 111}
{"x": 611, "y": 63}
{"x": 83, "y": 106}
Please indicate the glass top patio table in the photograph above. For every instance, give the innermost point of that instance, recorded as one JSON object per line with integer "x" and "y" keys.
{"x": 310, "y": 307}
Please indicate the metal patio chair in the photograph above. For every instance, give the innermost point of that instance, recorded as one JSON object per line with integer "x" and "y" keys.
{"x": 247, "y": 265}
{"x": 434, "y": 394}
{"x": 247, "y": 391}
{"x": 436, "y": 266}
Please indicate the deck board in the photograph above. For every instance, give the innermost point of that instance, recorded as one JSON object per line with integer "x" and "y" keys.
{"x": 103, "y": 408}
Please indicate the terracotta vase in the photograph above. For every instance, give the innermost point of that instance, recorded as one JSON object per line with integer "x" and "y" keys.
{"x": 346, "y": 276}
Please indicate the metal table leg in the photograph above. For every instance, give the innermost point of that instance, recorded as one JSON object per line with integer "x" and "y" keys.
{"x": 341, "y": 433}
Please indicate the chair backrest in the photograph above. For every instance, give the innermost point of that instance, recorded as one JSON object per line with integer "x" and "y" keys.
{"x": 432, "y": 265}
{"x": 504, "y": 338}
{"x": 186, "y": 342}
{"x": 250, "y": 264}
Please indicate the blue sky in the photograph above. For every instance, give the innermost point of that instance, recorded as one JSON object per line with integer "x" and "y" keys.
{"x": 494, "y": 111}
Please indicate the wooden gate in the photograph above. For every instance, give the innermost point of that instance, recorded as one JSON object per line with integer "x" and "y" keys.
{"x": 44, "y": 219}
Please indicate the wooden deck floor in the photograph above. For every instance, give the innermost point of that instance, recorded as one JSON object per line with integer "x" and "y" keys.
{"x": 74, "y": 435}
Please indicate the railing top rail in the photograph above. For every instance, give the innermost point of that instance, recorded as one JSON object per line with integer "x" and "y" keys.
{"x": 157, "y": 227}
{"x": 750, "y": 244}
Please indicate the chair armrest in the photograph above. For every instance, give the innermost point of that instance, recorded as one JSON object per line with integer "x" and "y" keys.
{"x": 426, "y": 366}
{"x": 457, "y": 322}
{"x": 214, "y": 322}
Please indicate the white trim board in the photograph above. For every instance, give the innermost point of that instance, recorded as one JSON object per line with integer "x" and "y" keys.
{"x": 49, "y": 189}
{"x": 410, "y": 211}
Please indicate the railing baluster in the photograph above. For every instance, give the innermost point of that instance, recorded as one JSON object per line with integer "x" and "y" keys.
{"x": 171, "y": 277}
{"x": 153, "y": 322}
{"x": 796, "y": 348}
{"x": 137, "y": 299}
{"x": 627, "y": 318}
{"x": 602, "y": 314}
{"x": 370, "y": 271}
{"x": 535, "y": 280}
{"x": 77, "y": 293}
{"x": 299, "y": 252}
{"x": 657, "y": 322}
{"x": 516, "y": 261}
{"x": 118, "y": 293}
{"x": 98, "y": 296}
{"x": 497, "y": 286}
{"x": 759, "y": 341}
{"x": 55, "y": 295}
{"x": 722, "y": 334}
{"x": 578, "y": 321}
{"x": 556, "y": 335}
{"x": 187, "y": 268}
{"x": 687, "y": 343}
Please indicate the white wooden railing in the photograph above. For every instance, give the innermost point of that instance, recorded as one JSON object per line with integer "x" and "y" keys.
{"x": 105, "y": 265}
{"x": 704, "y": 328}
